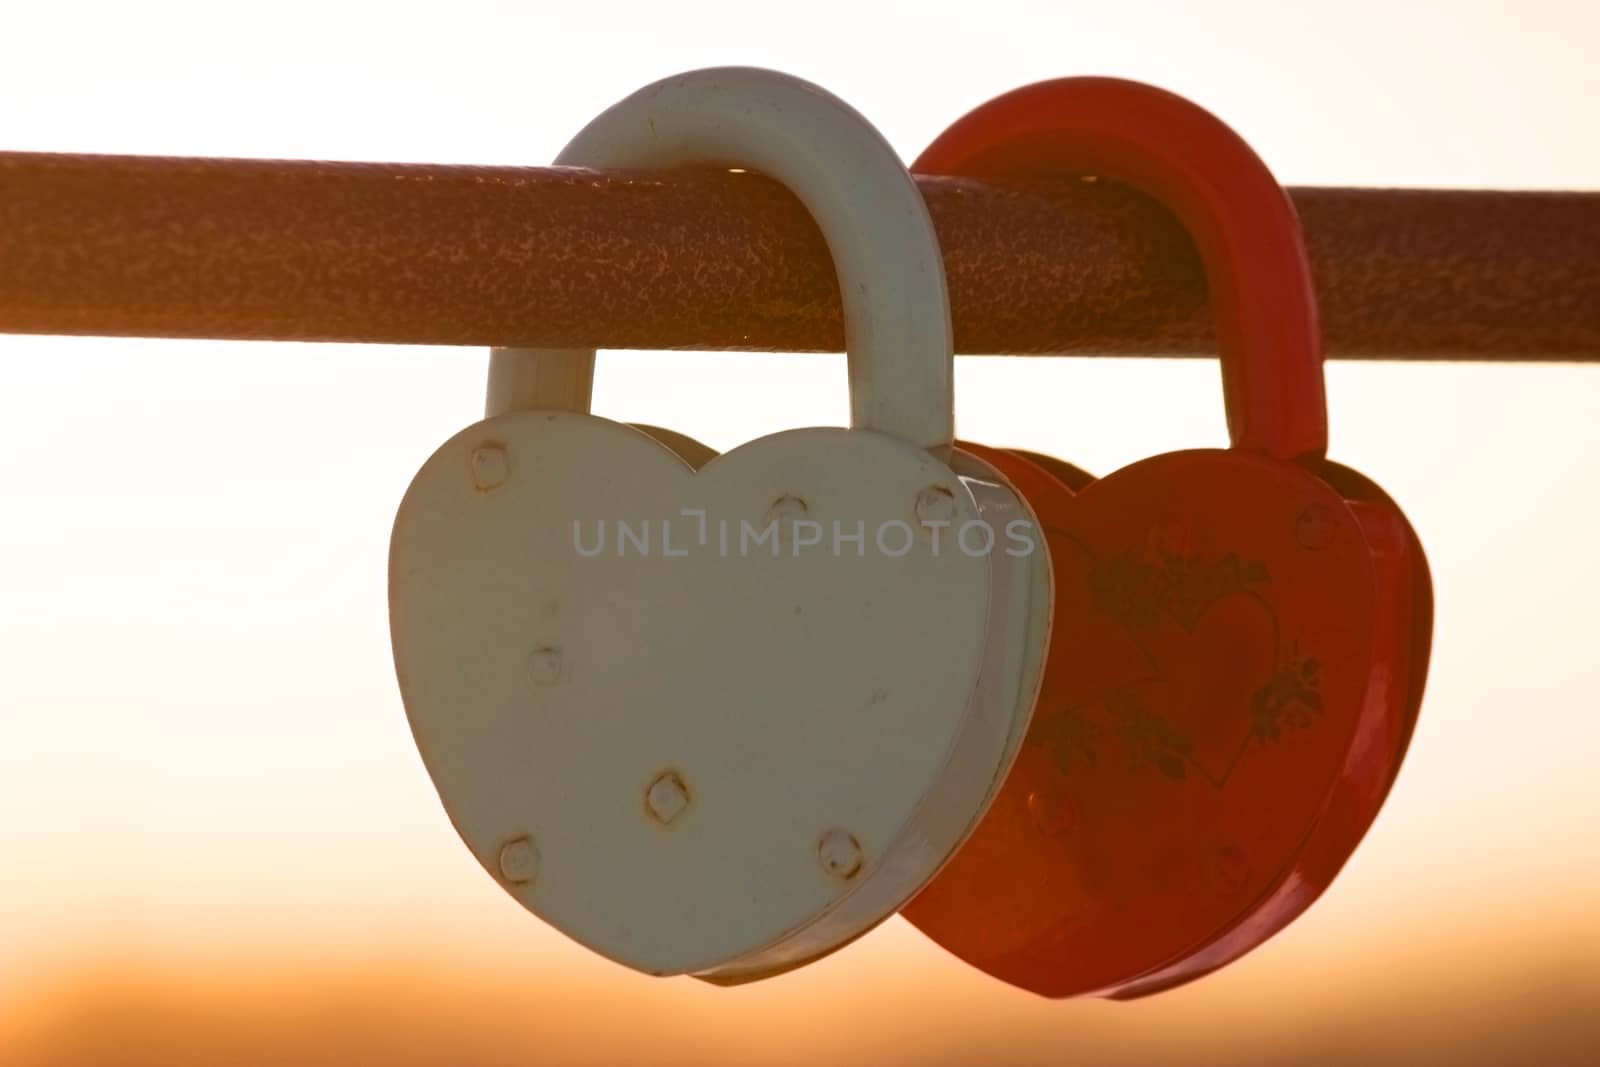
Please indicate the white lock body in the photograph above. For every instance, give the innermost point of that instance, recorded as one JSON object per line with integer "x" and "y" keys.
{"x": 685, "y": 751}
{"x": 705, "y": 758}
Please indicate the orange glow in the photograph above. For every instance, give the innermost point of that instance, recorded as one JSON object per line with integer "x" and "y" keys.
{"x": 217, "y": 842}
{"x": 1524, "y": 995}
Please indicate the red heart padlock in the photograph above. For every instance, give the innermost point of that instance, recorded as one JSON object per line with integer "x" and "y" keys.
{"x": 1241, "y": 636}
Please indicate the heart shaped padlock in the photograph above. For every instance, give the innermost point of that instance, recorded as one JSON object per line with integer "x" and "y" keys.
{"x": 1241, "y": 636}
{"x": 720, "y": 721}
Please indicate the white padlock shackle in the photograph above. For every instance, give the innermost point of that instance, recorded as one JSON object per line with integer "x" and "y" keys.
{"x": 891, "y": 274}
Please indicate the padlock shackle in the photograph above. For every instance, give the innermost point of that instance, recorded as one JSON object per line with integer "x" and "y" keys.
{"x": 891, "y": 274}
{"x": 1241, "y": 220}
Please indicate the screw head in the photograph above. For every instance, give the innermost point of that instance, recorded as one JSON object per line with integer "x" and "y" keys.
{"x": 935, "y": 504}
{"x": 840, "y": 854}
{"x": 1315, "y": 528}
{"x": 544, "y": 665}
{"x": 1052, "y": 814}
{"x": 1230, "y": 868}
{"x": 667, "y": 797}
{"x": 786, "y": 507}
{"x": 519, "y": 860}
{"x": 490, "y": 466}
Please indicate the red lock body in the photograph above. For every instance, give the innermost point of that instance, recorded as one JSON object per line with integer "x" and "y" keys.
{"x": 1241, "y": 635}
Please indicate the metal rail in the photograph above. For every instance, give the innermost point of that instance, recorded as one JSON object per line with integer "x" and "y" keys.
{"x": 313, "y": 251}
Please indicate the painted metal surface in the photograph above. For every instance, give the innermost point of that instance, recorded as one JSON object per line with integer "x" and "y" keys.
{"x": 423, "y": 254}
{"x": 880, "y": 239}
{"x": 1241, "y": 635}
{"x": 678, "y": 735}
{"x": 735, "y": 747}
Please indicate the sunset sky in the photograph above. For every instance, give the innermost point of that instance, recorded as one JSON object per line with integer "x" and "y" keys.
{"x": 217, "y": 842}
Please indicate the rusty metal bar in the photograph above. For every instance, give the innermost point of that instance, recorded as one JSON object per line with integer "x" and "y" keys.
{"x": 312, "y": 251}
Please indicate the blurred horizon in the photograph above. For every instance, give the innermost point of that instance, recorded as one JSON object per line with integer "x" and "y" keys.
{"x": 486, "y": 1011}
{"x": 217, "y": 842}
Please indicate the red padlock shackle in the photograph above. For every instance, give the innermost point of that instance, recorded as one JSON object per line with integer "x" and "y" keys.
{"x": 1243, "y": 223}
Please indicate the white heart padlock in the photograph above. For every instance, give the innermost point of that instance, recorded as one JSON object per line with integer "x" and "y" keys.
{"x": 721, "y": 721}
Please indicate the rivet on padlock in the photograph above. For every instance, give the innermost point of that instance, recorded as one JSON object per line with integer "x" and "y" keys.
{"x": 1241, "y": 636}
{"x": 752, "y": 756}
